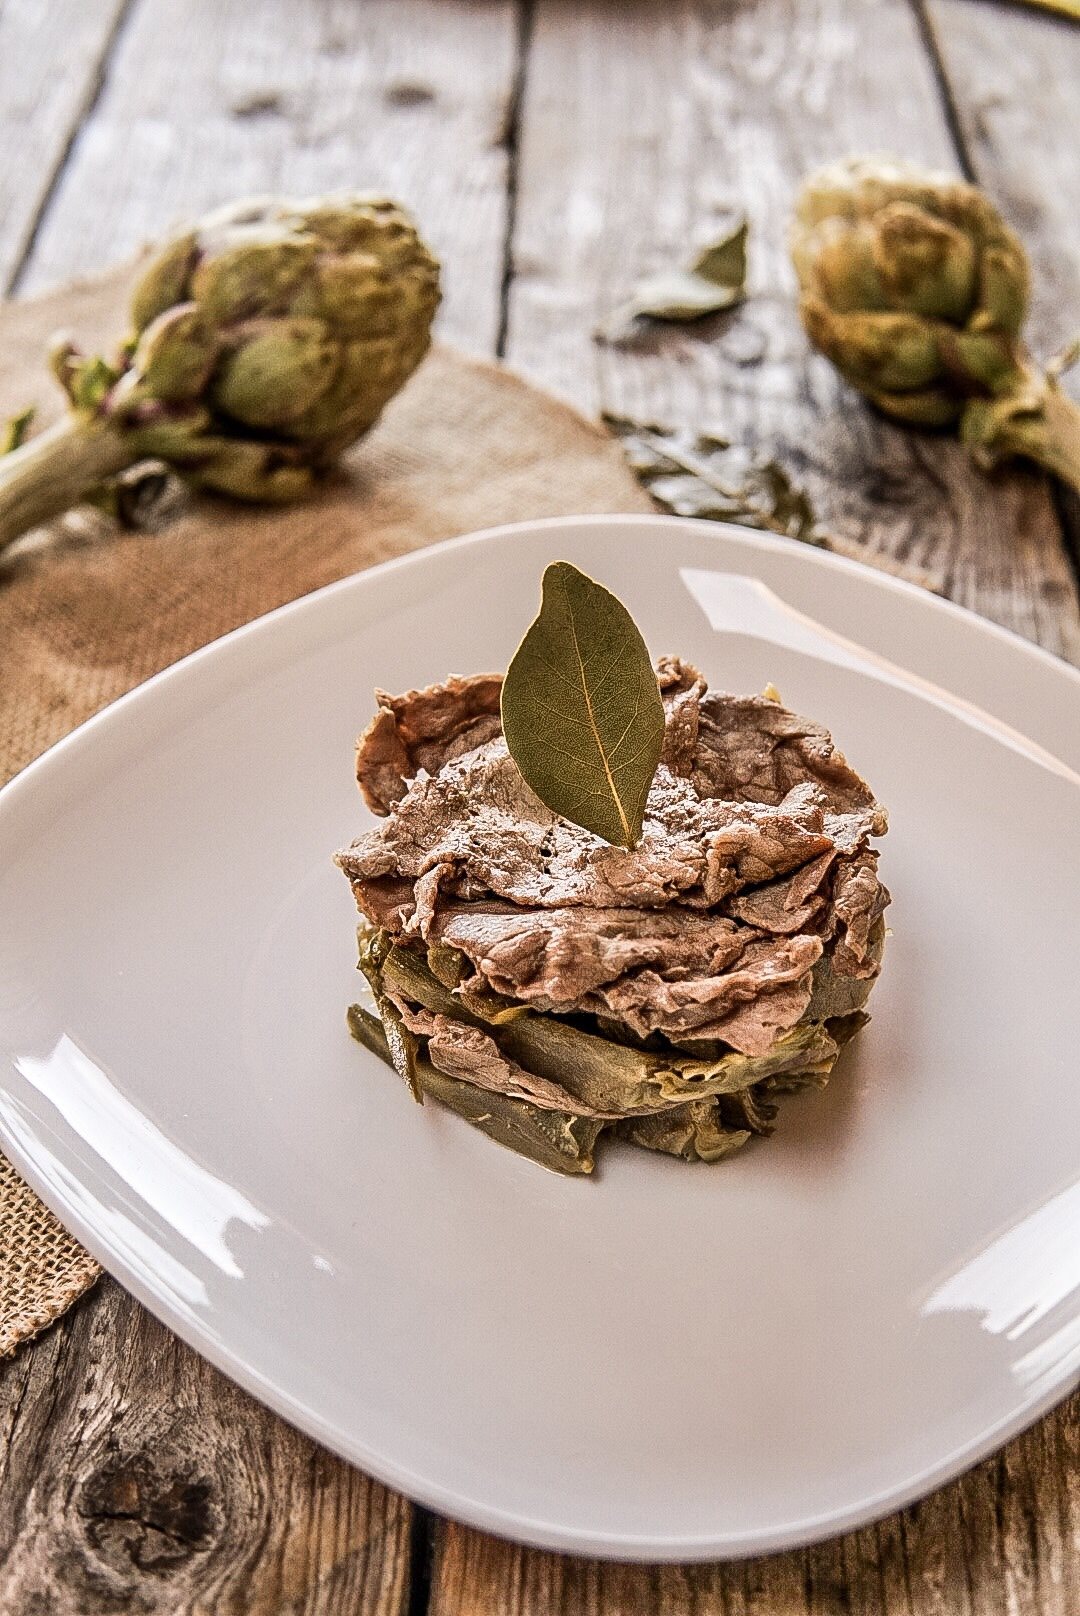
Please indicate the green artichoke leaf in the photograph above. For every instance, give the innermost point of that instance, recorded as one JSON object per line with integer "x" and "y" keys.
{"x": 889, "y": 352}
{"x": 693, "y": 1132}
{"x": 581, "y": 708}
{"x": 175, "y": 355}
{"x": 714, "y": 280}
{"x": 16, "y": 429}
{"x": 164, "y": 282}
{"x": 401, "y": 1044}
{"x": 276, "y": 371}
{"x": 602, "y": 1074}
{"x": 261, "y": 473}
{"x": 255, "y": 276}
{"x": 749, "y": 1109}
{"x": 558, "y": 1140}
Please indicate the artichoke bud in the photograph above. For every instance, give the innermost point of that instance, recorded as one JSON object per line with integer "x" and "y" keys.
{"x": 175, "y": 355}
{"x": 1004, "y": 289}
{"x": 277, "y": 371}
{"x": 926, "y": 265}
{"x": 839, "y": 262}
{"x": 164, "y": 282}
{"x": 265, "y": 341}
{"x": 252, "y": 277}
{"x": 935, "y": 322}
{"x": 263, "y": 473}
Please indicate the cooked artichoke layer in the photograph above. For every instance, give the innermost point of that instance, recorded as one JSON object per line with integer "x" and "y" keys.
{"x": 549, "y": 1086}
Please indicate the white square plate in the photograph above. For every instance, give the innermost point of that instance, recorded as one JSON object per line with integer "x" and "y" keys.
{"x": 664, "y": 1361}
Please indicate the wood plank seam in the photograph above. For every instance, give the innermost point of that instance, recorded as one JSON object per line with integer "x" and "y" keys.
{"x": 526, "y": 10}
{"x": 946, "y": 94}
{"x": 92, "y": 95}
{"x": 421, "y": 1557}
{"x": 1066, "y": 504}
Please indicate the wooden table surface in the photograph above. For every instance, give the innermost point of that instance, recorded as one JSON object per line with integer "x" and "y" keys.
{"x": 552, "y": 149}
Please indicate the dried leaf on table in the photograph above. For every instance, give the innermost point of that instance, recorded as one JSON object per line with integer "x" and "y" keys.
{"x": 702, "y": 474}
{"x": 714, "y": 280}
{"x": 581, "y": 708}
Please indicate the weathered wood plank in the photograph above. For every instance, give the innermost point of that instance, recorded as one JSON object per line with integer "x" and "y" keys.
{"x": 44, "y": 93}
{"x": 409, "y": 96}
{"x": 1013, "y": 81}
{"x": 131, "y": 1474}
{"x": 1002, "y": 1541}
{"x": 134, "y": 1477}
{"x": 640, "y": 122}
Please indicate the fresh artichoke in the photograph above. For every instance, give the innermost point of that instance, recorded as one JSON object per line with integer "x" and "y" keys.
{"x": 917, "y": 290}
{"x": 263, "y": 343}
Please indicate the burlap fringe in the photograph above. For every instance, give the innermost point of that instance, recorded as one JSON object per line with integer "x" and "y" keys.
{"x": 42, "y": 1268}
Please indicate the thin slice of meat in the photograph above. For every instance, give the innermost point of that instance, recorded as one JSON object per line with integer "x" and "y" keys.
{"x": 557, "y": 956}
{"x": 748, "y": 1007}
{"x": 681, "y": 689}
{"x": 472, "y": 1056}
{"x": 754, "y": 878}
{"x": 752, "y": 749}
{"x": 423, "y": 729}
{"x": 479, "y": 821}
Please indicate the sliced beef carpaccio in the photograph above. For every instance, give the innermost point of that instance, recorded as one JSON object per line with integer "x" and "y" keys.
{"x": 755, "y": 859}
{"x": 423, "y": 730}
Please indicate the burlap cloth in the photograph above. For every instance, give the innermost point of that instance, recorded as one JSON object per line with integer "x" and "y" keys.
{"x": 81, "y": 621}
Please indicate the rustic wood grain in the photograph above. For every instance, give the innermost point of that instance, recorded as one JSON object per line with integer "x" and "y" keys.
{"x": 230, "y": 1511}
{"x": 410, "y": 96}
{"x": 1014, "y": 88}
{"x": 134, "y": 1478}
{"x": 1002, "y": 1541}
{"x": 44, "y": 94}
{"x": 1014, "y": 85}
{"x": 640, "y": 124}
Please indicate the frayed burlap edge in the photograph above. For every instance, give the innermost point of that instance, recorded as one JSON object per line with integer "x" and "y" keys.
{"x": 42, "y": 1270}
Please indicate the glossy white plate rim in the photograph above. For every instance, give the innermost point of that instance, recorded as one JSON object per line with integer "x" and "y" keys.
{"x": 544, "y": 1534}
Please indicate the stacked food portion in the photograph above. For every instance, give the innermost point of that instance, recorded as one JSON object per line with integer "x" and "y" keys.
{"x": 552, "y": 987}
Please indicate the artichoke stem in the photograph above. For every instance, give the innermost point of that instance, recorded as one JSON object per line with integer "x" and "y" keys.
{"x": 55, "y": 470}
{"x": 1056, "y": 442}
{"x": 1046, "y": 429}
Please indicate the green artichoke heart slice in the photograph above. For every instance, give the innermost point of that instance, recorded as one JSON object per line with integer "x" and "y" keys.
{"x": 558, "y": 1140}
{"x": 602, "y": 1074}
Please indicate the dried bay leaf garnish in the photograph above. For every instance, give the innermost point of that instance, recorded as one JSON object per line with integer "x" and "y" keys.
{"x": 714, "y": 280}
{"x": 704, "y": 475}
{"x": 581, "y": 708}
